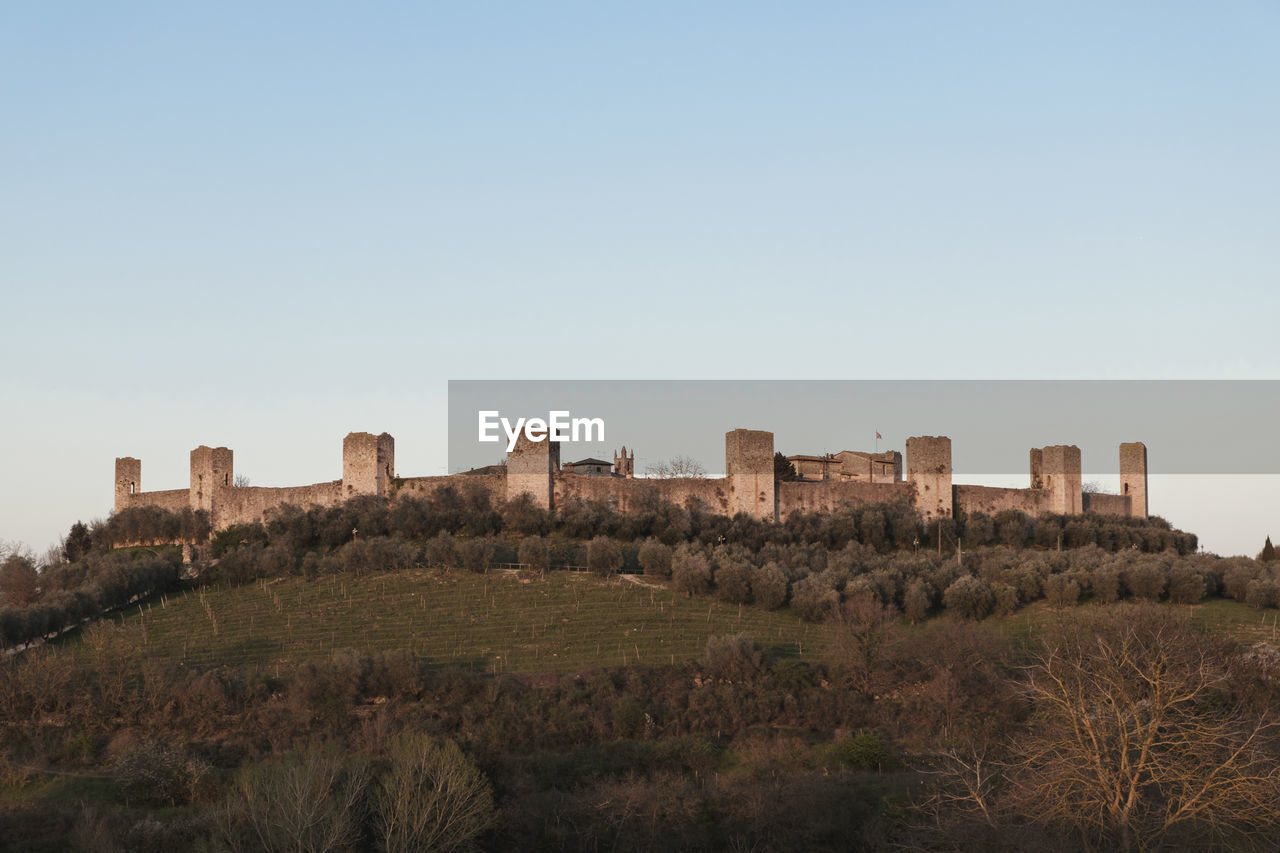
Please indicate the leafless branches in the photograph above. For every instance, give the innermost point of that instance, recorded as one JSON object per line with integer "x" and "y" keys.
{"x": 1134, "y": 743}
{"x": 676, "y": 466}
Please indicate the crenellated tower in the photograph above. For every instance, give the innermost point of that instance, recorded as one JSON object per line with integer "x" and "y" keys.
{"x": 128, "y": 480}
{"x": 1133, "y": 477}
{"x": 368, "y": 464}
{"x": 929, "y": 470}
{"x": 748, "y": 466}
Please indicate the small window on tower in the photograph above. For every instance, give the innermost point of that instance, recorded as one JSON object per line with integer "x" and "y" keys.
{"x": 132, "y": 487}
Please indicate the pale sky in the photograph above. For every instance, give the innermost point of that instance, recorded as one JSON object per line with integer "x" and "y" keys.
{"x": 264, "y": 225}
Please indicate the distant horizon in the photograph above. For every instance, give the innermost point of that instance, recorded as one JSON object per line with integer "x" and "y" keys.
{"x": 1176, "y": 498}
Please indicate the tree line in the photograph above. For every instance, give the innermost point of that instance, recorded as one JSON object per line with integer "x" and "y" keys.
{"x": 811, "y": 562}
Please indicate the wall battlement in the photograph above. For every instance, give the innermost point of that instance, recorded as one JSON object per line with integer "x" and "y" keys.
{"x": 929, "y": 472}
{"x": 1061, "y": 477}
{"x": 1133, "y": 476}
{"x": 749, "y": 485}
{"x": 748, "y": 466}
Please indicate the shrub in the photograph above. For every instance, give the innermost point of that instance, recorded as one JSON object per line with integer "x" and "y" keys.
{"x": 533, "y": 554}
{"x": 523, "y": 515}
{"x": 655, "y": 558}
{"x": 1013, "y": 528}
{"x": 917, "y": 601}
{"x": 732, "y": 658}
{"x": 813, "y": 598}
{"x": 969, "y": 598}
{"x": 476, "y": 554}
{"x": 1028, "y": 579}
{"x": 241, "y": 565}
{"x": 1146, "y": 580}
{"x": 1186, "y": 585}
{"x": 1106, "y": 584}
{"x": 440, "y": 552}
{"x": 733, "y": 580}
{"x": 155, "y": 774}
{"x": 690, "y": 572}
{"x": 979, "y": 529}
{"x": 236, "y": 536}
{"x": 278, "y": 561}
{"x": 1262, "y": 593}
{"x": 769, "y": 586}
{"x": 604, "y": 557}
{"x": 374, "y": 554}
{"x": 872, "y": 528}
{"x": 1062, "y": 591}
{"x": 1006, "y": 599}
{"x": 19, "y": 580}
{"x": 1235, "y": 580}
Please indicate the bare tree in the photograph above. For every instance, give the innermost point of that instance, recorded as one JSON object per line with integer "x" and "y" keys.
{"x": 676, "y": 466}
{"x": 432, "y": 797}
{"x": 308, "y": 802}
{"x": 1136, "y": 739}
{"x": 240, "y": 481}
{"x": 861, "y": 638}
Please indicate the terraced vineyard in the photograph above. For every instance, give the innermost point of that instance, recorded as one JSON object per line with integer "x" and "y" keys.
{"x": 496, "y": 622}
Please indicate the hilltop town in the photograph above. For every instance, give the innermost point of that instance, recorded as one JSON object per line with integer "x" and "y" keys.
{"x": 750, "y": 486}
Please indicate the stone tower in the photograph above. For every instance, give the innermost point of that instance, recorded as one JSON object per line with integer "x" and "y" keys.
{"x": 1133, "y": 477}
{"x": 128, "y": 480}
{"x": 748, "y": 468}
{"x": 531, "y": 467}
{"x": 623, "y": 465}
{"x": 1061, "y": 477}
{"x": 368, "y": 464}
{"x": 211, "y": 474}
{"x": 929, "y": 470}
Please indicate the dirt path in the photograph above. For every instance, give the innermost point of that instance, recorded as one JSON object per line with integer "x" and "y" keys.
{"x": 635, "y": 579}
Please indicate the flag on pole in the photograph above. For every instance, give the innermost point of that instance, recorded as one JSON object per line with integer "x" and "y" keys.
{"x": 879, "y": 436}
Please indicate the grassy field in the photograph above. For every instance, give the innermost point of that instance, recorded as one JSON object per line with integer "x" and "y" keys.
{"x": 507, "y": 622}
{"x": 496, "y": 622}
{"x": 1218, "y": 615}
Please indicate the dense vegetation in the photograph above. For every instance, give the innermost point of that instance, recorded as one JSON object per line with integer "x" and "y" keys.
{"x": 840, "y": 681}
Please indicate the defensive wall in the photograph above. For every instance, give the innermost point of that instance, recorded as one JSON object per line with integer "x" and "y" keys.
{"x": 749, "y": 485}
{"x": 831, "y": 495}
{"x": 629, "y": 495}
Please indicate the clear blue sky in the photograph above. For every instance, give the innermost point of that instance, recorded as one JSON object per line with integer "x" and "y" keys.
{"x": 266, "y": 225}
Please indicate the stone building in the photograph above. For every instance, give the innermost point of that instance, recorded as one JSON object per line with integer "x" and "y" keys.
{"x": 856, "y": 465}
{"x": 588, "y": 468}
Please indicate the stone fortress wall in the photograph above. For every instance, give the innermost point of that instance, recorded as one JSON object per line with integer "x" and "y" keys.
{"x": 749, "y": 485}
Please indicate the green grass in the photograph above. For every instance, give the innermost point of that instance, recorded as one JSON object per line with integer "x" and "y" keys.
{"x": 1218, "y": 615}
{"x": 1238, "y": 620}
{"x": 504, "y": 622}
{"x": 496, "y": 622}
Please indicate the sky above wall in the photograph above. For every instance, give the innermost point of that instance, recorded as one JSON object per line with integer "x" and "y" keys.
{"x": 267, "y": 225}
